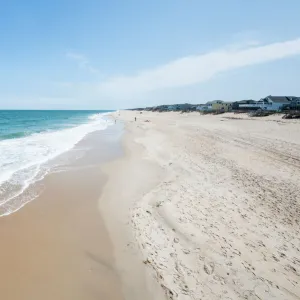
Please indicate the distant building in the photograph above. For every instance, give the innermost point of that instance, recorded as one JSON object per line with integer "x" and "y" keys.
{"x": 275, "y": 102}
{"x": 203, "y": 107}
{"x": 182, "y": 107}
{"x": 295, "y": 103}
{"x": 216, "y": 105}
{"x": 271, "y": 103}
{"x": 238, "y": 104}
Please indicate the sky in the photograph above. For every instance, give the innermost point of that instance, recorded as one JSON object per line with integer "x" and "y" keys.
{"x": 94, "y": 54}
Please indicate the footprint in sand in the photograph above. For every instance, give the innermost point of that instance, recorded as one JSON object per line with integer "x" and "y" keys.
{"x": 249, "y": 295}
{"x": 209, "y": 267}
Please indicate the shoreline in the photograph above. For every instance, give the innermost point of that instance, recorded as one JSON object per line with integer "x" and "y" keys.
{"x": 26, "y": 160}
{"x": 57, "y": 246}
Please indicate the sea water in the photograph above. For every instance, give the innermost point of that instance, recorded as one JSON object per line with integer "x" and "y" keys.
{"x": 31, "y": 138}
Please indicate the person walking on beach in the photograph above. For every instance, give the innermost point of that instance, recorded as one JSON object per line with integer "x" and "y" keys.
{"x": 134, "y": 118}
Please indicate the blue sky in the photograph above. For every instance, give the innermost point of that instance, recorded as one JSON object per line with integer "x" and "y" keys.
{"x": 64, "y": 54}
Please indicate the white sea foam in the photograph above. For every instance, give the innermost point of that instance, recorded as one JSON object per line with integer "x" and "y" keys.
{"x": 22, "y": 160}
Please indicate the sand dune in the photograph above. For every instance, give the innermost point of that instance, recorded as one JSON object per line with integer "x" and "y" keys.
{"x": 220, "y": 217}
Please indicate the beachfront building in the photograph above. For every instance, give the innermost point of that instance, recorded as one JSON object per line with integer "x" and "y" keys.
{"x": 181, "y": 107}
{"x": 184, "y": 106}
{"x": 203, "y": 107}
{"x": 295, "y": 103}
{"x": 217, "y": 105}
{"x": 239, "y": 104}
{"x": 275, "y": 102}
{"x": 226, "y": 106}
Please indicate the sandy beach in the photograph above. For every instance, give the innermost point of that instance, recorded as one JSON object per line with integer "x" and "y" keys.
{"x": 212, "y": 204}
{"x": 57, "y": 246}
{"x": 173, "y": 206}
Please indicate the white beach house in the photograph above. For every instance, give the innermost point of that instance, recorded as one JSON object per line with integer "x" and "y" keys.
{"x": 270, "y": 103}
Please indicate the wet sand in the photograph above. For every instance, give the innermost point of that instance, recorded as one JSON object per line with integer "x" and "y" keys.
{"x": 57, "y": 246}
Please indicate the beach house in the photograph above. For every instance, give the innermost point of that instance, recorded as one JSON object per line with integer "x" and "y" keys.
{"x": 243, "y": 104}
{"x": 218, "y": 105}
{"x": 203, "y": 107}
{"x": 275, "y": 102}
{"x": 295, "y": 103}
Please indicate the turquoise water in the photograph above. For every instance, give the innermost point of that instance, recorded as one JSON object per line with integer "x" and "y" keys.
{"x": 29, "y": 139}
{"x": 20, "y": 123}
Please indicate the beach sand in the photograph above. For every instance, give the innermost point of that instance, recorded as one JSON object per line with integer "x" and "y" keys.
{"x": 212, "y": 203}
{"x": 191, "y": 207}
{"x": 57, "y": 246}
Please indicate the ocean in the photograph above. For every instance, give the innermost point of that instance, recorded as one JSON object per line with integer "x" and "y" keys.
{"x": 29, "y": 139}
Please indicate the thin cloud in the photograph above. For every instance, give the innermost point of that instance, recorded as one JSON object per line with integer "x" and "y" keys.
{"x": 197, "y": 69}
{"x": 82, "y": 61}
